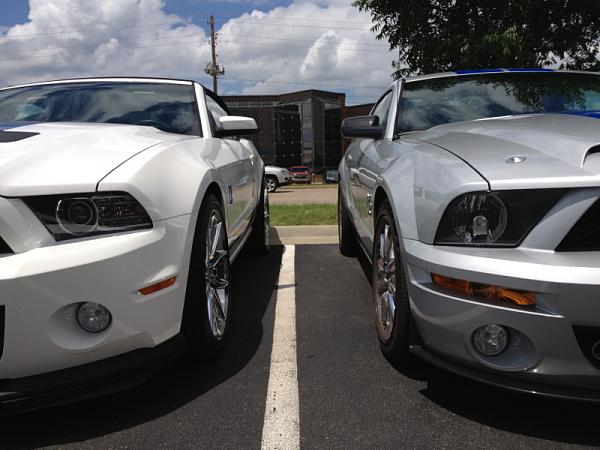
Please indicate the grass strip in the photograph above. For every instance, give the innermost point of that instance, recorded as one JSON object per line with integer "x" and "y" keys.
{"x": 307, "y": 214}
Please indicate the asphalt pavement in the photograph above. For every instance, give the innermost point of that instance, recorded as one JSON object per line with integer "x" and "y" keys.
{"x": 349, "y": 396}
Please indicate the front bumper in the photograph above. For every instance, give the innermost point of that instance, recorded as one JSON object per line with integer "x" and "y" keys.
{"x": 546, "y": 351}
{"x": 41, "y": 288}
{"x": 306, "y": 179}
{"x": 87, "y": 381}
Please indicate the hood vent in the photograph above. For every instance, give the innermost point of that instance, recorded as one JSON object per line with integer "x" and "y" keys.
{"x": 14, "y": 136}
{"x": 591, "y": 151}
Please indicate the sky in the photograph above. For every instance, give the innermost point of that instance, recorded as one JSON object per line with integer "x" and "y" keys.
{"x": 265, "y": 46}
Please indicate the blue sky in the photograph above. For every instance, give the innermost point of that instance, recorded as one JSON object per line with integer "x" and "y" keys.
{"x": 15, "y": 11}
{"x": 266, "y": 46}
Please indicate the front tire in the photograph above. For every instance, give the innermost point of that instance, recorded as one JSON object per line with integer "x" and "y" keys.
{"x": 346, "y": 234}
{"x": 207, "y": 308}
{"x": 390, "y": 294}
{"x": 271, "y": 183}
{"x": 259, "y": 241}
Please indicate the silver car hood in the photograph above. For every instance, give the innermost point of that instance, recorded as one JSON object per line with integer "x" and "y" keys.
{"x": 560, "y": 150}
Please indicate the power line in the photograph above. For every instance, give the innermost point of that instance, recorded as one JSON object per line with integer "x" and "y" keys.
{"x": 273, "y": 24}
{"x": 303, "y": 20}
{"x": 104, "y": 27}
{"x": 343, "y": 46}
{"x": 66, "y": 47}
{"x": 304, "y": 47}
{"x": 204, "y": 41}
{"x": 379, "y": 88}
{"x": 297, "y": 40}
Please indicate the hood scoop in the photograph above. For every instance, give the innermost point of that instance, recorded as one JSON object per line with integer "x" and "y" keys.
{"x": 591, "y": 151}
{"x": 14, "y": 136}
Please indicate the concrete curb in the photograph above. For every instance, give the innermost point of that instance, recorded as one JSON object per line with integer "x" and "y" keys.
{"x": 304, "y": 234}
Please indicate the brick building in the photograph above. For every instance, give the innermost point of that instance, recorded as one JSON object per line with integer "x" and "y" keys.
{"x": 299, "y": 127}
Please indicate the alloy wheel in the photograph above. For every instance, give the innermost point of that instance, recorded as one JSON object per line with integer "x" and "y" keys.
{"x": 217, "y": 275}
{"x": 385, "y": 282}
{"x": 271, "y": 184}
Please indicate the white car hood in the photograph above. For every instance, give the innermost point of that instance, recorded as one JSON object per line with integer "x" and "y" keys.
{"x": 560, "y": 150}
{"x": 67, "y": 157}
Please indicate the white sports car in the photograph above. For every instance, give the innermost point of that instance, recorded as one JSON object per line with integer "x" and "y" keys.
{"x": 123, "y": 203}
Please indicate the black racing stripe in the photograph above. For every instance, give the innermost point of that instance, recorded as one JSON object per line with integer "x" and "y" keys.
{"x": 14, "y": 136}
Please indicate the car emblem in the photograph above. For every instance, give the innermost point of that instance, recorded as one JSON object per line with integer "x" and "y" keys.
{"x": 515, "y": 159}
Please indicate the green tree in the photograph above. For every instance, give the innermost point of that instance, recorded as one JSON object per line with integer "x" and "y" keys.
{"x": 444, "y": 35}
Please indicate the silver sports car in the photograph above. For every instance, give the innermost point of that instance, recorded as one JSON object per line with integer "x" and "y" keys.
{"x": 476, "y": 196}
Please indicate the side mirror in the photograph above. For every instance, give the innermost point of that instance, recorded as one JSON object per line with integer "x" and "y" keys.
{"x": 362, "y": 127}
{"x": 236, "y": 126}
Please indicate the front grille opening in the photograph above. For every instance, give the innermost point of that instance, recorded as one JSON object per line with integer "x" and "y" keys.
{"x": 588, "y": 339}
{"x": 4, "y": 248}
{"x": 585, "y": 235}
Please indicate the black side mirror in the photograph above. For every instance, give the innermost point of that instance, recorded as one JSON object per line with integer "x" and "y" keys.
{"x": 362, "y": 127}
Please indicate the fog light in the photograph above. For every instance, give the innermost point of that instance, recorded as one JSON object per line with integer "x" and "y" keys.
{"x": 490, "y": 340}
{"x": 93, "y": 317}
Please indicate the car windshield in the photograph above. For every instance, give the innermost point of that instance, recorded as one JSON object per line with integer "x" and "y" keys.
{"x": 168, "y": 107}
{"x": 298, "y": 169}
{"x": 427, "y": 103}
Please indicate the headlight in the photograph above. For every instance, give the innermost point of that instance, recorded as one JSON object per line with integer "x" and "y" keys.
{"x": 494, "y": 219}
{"x": 73, "y": 216}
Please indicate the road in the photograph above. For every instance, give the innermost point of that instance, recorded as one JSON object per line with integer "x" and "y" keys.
{"x": 347, "y": 395}
{"x": 298, "y": 196}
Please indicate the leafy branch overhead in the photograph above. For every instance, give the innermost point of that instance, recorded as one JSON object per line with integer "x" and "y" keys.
{"x": 444, "y": 35}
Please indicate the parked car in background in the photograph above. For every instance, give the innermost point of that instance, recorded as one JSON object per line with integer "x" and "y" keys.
{"x": 301, "y": 174}
{"x": 123, "y": 203}
{"x": 331, "y": 175}
{"x": 476, "y": 195}
{"x": 275, "y": 177}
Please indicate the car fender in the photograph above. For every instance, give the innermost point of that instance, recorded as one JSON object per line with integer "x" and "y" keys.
{"x": 171, "y": 181}
{"x": 420, "y": 182}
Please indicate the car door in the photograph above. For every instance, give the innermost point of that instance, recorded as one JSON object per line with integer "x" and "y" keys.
{"x": 238, "y": 171}
{"x": 364, "y": 170}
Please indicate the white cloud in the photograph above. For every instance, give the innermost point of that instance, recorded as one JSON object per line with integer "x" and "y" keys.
{"x": 322, "y": 44}
{"x": 67, "y": 38}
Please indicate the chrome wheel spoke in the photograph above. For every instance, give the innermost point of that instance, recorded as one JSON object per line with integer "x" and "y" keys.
{"x": 216, "y": 259}
{"x": 216, "y": 237}
{"x": 219, "y": 283}
{"x": 390, "y": 308}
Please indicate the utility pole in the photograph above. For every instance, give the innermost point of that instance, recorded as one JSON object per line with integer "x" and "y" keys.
{"x": 212, "y": 68}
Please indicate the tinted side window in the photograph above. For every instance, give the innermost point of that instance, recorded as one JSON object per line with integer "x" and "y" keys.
{"x": 382, "y": 109}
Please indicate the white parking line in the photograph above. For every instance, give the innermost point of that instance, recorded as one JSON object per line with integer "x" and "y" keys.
{"x": 281, "y": 428}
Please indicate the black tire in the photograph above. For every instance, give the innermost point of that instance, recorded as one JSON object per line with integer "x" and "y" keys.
{"x": 259, "y": 241}
{"x": 396, "y": 346}
{"x": 271, "y": 183}
{"x": 201, "y": 342}
{"x": 346, "y": 234}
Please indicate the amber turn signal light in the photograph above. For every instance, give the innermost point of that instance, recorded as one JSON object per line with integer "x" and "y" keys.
{"x": 486, "y": 291}
{"x": 158, "y": 286}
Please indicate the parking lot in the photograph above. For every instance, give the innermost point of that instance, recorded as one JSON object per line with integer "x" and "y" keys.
{"x": 348, "y": 395}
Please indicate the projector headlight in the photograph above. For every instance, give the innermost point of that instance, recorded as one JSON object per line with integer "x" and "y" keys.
{"x": 73, "y": 216}
{"x": 494, "y": 219}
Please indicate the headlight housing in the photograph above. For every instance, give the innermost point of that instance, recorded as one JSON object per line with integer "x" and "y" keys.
{"x": 494, "y": 219}
{"x": 83, "y": 215}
